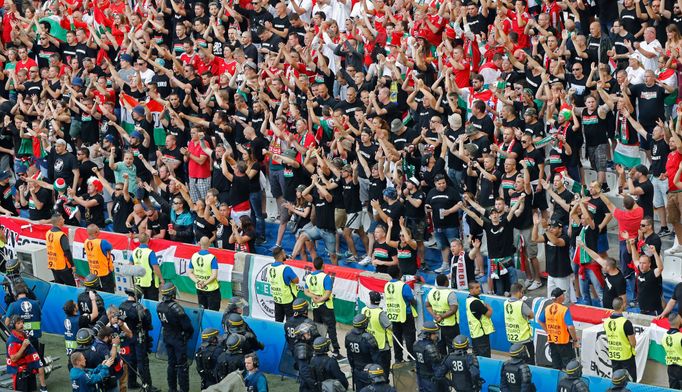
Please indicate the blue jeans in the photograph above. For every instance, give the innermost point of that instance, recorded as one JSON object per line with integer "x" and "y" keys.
{"x": 585, "y": 296}
{"x": 628, "y": 273}
{"x": 445, "y": 235}
{"x": 457, "y": 177}
{"x": 257, "y": 212}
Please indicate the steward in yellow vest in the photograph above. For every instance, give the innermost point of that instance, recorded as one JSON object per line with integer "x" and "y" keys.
{"x": 620, "y": 335}
{"x": 556, "y": 320}
{"x": 478, "y": 317}
{"x": 98, "y": 253}
{"x": 318, "y": 286}
{"x": 146, "y": 258}
{"x": 672, "y": 344}
{"x": 283, "y": 285}
{"x": 441, "y": 303}
{"x": 401, "y": 311}
{"x": 59, "y": 257}
{"x": 380, "y": 327}
{"x": 516, "y": 321}
{"x": 203, "y": 270}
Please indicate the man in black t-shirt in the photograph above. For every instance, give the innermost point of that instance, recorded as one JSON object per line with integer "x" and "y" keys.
{"x": 649, "y": 279}
{"x": 93, "y": 202}
{"x": 415, "y": 216}
{"x": 615, "y": 286}
{"x": 560, "y": 198}
{"x": 558, "y": 261}
{"x": 325, "y": 226}
{"x": 650, "y": 97}
{"x": 6, "y": 195}
{"x": 62, "y": 164}
{"x": 350, "y": 191}
{"x": 442, "y": 202}
{"x": 659, "y": 154}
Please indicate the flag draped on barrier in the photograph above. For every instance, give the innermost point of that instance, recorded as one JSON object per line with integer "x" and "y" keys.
{"x": 595, "y": 358}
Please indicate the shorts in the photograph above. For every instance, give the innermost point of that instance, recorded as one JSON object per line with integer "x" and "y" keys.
{"x": 445, "y": 235}
{"x": 314, "y": 233}
{"x": 364, "y": 190}
{"x": 539, "y": 200}
{"x": 674, "y": 207}
{"x": 602, "y": 243}
{"x": 340, "y": 218}
{"x": 531, "y": 247}
{"x": 417, "y": 228}
{"x": 284, "y": 214}
{"x": 598, "y": 156}
{"x": 354, "y": 220}
{"x": 566, "y": 284}
{"x": 660, "y": 191}
{"x": 276, "y": 178}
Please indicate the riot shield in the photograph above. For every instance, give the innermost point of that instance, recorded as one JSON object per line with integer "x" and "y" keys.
{"x": 404, "y": 376}
{"x": 287, "y": 362}
{"x": 195, "y": 315}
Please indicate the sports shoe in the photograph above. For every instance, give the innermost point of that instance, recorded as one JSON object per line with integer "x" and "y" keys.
{"x": 443, "y": 268}
{"x": 43, "y": 388}
{"x": 676, "y": 249}
{"x": 338, "y": 356}
{"x": 352, "y": 259}
{"x": 527, "y": 283}
{"x": 344, "y": 254}
{"x": 535, "y": 285}
{"x": 365, "y": 261}
{"x": 494, "y": 275}
{"x": 664, "y": 231}
{"x": 430, "y": 243}
{"x": 605, "y": 188}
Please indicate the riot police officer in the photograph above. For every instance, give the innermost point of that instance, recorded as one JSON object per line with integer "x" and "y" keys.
{"x": 139, "y": 321}
{"x": 323, "y": 366}
{"x": 235, "y": 305}
{"x": 177, "y": 330}
{"x": 232, "y": 359}
{"x": 619, "y": 381}
{"x": 428, "y": 358}
{"x": 462, "y": 366}
{"x": 300, "y": 309}
{"x": 361, "y": 349}
{"x": 516, "y": 376}
{"x": 29, "y": 311}
{"x": 303, "y": 351}
{"x": 84, "y": 338}
{"x": 207, "y": 355}
{"x": 573, "y": 381}
{"x": 13, "y": 278}
{"x": 379, "y": 381}
{"x": 236, "y": 324}
{"x": 89, "y": 317}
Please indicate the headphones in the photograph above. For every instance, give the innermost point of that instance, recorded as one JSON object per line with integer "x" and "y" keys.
{"x": 255, "y": 360}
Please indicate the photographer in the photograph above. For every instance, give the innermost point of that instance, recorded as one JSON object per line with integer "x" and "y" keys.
{"x": 106, "y": 346}
{"x": 120, "y": 328}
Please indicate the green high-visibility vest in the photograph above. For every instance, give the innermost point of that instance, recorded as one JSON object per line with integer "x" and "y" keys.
{"x": 141, "y": 258}
{"x": 396, "y": 308}
{"x": 517, "y": 325}
{"x": 478, "y": 328}
{"x": 315, "y": 283}
{"x": 201, "y": 264}
{"x": 672, "y": 344}
{"x": 281, "y": 292}
{"x": 381, "y": 335}
{"x": 619, "y": 344}
{"x": 438, "y": 298}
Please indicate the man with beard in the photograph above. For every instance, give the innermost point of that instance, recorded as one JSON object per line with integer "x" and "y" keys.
{"x": 62, "y": 164}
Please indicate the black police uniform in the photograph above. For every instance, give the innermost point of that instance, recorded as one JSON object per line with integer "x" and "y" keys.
{"x": 84, "y": 305}
{"x": 226, "y": 324}
{"x": 361, "y": 349}
{"x": 251, "y": 343}
{"x": 516, "y": 376}
{"x": 572, "y": 384}
{"x": 177, "y": 330}
{"x": 92, "y": 359}
{"x": 428, "y": 358}
{"x": 290, "y": 326}
{"x": 324, "y": 368}
{"x": 9, "y": 282}
{"x": 206, "y": 359}
{"x": 141, "y": 342}
{"x": 617, "y": 389}
{"x": 227, "y": 363}
{"x": 383, "y": 387}
{"x": 303, "y": 352}
{"x": 464, "y": 371}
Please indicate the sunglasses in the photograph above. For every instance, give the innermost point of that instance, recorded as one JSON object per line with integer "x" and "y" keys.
{"x": 118, "y": 189}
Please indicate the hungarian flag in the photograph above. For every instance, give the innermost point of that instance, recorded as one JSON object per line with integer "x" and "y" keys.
{"x": 669, "y": 77}
{"x": 156, "y": 108}
{"x": 56, "y": 29}
{"x": 102, "y": 23}
{"x": 626, "y": 155}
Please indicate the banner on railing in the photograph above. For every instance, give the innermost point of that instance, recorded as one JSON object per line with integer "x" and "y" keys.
{"x": 595, "y": 354}
{"x": 19, "y": 232}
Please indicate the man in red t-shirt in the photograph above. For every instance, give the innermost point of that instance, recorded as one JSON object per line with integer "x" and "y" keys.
{"x": 24, "y": 61}
{"x": 198, "y": 155}
{"x": 674, "y": 207}
{"x": 629, "y": 220}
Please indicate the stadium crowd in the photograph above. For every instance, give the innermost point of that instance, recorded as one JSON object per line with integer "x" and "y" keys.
{"x": 378, "y": 124}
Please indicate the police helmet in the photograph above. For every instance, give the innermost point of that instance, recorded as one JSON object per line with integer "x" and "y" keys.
{"x": 235, "y": 323}
{"x": 573, "y": 369}
{"x": 360, "y": 321}
{"x": 209, "y": 334}
{"x": 135, "y": 291}
{"x": 430, "y": 327}
{"x": 306, "y": 328}
{"x": 321, "y": 344}
{"x": 168, "y": 291}
{"x": 234, "y": 342}
{"x": 518, "y": 350}
{"x": 85, "y": 336}
{"x": 91, "y": 280}
{"x": 300, "y": 306}
{"x": 235, "y": 304}
{"x": 13, "y": 320}
{"x": 375, "y": 373}
{"x": 620, "y": 378}
{"x": 12, "y": 265}
{"x": 374, "y": 297}
{"x": 461, "y": 342}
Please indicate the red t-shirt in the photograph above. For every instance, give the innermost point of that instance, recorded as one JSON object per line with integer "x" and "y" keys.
{"x": 25, "y": 64}
{"x": 196, "y": 170}
{"x": 671, "y": 166}
{"x": 628, "y": 221}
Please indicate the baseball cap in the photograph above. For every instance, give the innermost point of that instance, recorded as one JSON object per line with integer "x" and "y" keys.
{"x": 300, "y": 188}
{"x": 60, "y": 141}
{"x": 127, "y": 57}
{"x": 109, "y": 138}
{"x": 139, "y": 109}
{"x": 4, "y": 175}
{"x": 557, "y": 292}
{"x": 396, "y": 125}
{"x": 22, "y": 169}
{"x": 77, "y": 82}
{"x": 414, "y": 180}
{"x": 136, "y": 135}
{"x": 531, "y": 112}
{"x": 391, "y": 193}
{"x": 555, "y": 223}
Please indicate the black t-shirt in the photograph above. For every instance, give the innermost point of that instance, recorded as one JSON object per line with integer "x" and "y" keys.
{"x": 120, "y": 211}
{"x": 383, "y": 252}
{"x": 615, "y": 287}
{"x": 293, "y": 177}
{"x": 646, "y": 199}
{"x": 649, "y": 291}
{"x": 202, "y": 228}
{"x": 351, "y": 196}
{"x": 659, "y": 153}
{"x": 85, "y": 173}
{"x": 487, "y": 190}
{"x": 61, "y": 166}
{"x": 405, "y": 138}
{"x": 95, "y": 214}
{"x": 649, "y": 102}
{"x": 407, "y": 260}
{"x": 239, "y": 192}
{"x": 598, "y": 210}
{"x": 368, "y": 152}
{"x": 484, "y": 124}
{"x": 394, "y": 211}
{"x": 415, "y": 213}
{"x": 500, "y": 238}
{"x": 594, "y": 128}
{"x": 558, "y": 260}
{"x": 440, "y": 201}
{"x": 324, "y": 212}
{"x": 45, "y": 197}
{"x": 525, "y": 219}
{"x": 376, "y": 188}
{"x": 653, "y": 240}
{"x": 558, "y": 212}
{"x": 159, "y": 224}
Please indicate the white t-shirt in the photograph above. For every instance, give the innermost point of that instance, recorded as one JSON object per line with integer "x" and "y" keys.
{"x": 650, "y": 64}
{"x": 307, "y": 5}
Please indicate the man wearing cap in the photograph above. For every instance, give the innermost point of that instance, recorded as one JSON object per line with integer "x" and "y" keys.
{"x": 98, "y": 253}
{"x": 93, "y": 202}
{"x": 59, "y": 258}
{"x": 380, "y": 327}
{"x": 442, "y": 202}
{"x": 558, "y": 261}
{"x": 203, "y": 270}
{"x": 126, "y": 70}
{"x": 283, "y": 285}
{"x": 62, "y": 164}
{"x": 534, "y": 126}
{"x": 557, "y": 322}
{"x": 146, "y": 258}
{"x": 7, "y": 192}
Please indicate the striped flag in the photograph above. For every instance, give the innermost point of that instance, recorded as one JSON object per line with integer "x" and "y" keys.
{"x": 154, "y": 107}
{"x": 626, "y": 155}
